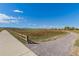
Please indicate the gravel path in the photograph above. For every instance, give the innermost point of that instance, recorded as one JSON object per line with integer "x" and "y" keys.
{"x": 59, "y": 47}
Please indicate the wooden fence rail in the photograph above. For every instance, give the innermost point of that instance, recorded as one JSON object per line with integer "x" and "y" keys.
{"x": 23, "y": 37}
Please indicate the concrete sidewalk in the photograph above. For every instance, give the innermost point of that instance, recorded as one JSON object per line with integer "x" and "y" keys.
{"x": 10, "y": 46}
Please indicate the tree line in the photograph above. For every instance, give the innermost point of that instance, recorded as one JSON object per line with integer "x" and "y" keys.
{"x": 66, "y": 28}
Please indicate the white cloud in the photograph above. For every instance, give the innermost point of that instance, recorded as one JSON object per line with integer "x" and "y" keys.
{"x": 18, "y": 11}
{"x": 8, "y": 19}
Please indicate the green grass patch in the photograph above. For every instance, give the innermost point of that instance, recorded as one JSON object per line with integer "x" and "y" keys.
{"x": 77, "y": 43}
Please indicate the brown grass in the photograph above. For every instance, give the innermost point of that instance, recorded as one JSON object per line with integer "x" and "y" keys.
{"x": 38, "y": 34}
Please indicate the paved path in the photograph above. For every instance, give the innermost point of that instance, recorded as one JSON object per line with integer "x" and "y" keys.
{"x": 59, "y": 47}
{"x": 10, "y": 46}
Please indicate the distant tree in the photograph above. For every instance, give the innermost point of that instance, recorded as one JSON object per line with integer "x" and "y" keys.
{"x": 73, "y": 28}
{"x": 69, "y": 28}
{"x": 66, "y": 28}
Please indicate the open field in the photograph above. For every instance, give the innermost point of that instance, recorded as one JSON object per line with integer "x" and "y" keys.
{"x": 37, "y": 35}
{"x": 77, "y": 31}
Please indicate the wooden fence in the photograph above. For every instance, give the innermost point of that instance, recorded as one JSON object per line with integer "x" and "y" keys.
{"x": 23, "y": 38}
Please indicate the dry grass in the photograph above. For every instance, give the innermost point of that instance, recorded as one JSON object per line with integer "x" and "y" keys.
{"x": 38, "y": 34}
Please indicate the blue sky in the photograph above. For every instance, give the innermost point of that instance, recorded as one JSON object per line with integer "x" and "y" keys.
{"x": 39, "y": 15}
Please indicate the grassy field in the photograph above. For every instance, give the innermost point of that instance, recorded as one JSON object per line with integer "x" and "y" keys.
{"x": 1, "y": 29}
{"x": 76, "y": 31}
{"x": 37, "y": 35}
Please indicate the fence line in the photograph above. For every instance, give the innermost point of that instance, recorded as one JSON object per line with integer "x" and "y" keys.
{"x": 24, "y": 37}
